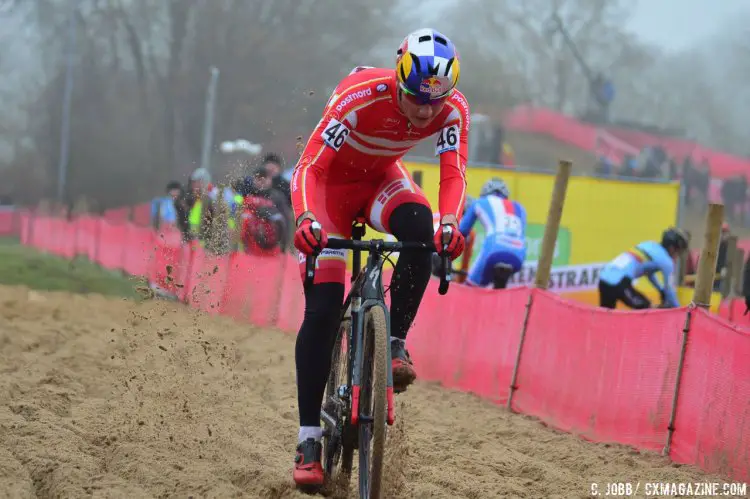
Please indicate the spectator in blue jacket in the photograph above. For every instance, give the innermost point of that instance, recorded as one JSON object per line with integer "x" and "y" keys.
{"x": 163, "y": 208}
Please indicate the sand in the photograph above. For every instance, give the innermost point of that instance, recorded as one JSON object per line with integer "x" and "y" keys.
{"x": 102, "y": 397}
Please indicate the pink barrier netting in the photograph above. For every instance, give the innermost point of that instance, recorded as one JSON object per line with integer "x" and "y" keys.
{"x": 140, "y": 250}
{"x": 608, "y": 376}
{"x": 8, "y": 222}
{"x": 474, "y": 355}
{"x": 292, "y": 301}
{"x": 712, "y": 425}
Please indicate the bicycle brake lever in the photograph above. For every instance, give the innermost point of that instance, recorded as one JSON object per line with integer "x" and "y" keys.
{"x": 309, "y": 270}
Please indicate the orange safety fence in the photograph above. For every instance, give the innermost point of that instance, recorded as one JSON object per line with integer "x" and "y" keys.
{"x": 674, "y": 379}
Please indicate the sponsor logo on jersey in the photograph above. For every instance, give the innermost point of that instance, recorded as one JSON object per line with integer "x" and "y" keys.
{"x": 391, "y": 122}
{"x": 352, "y": 97}
{"x": 303, "y": 162}
{"x": 458, "y": 98}
{"x": 326, "y": 254}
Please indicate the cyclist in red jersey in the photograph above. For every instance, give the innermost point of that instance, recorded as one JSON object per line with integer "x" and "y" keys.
{"x": 350, "y": 167}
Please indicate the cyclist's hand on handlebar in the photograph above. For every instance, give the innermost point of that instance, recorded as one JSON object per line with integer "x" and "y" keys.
{"x": 449, "y": 237}
{"x": 305, "y": 238}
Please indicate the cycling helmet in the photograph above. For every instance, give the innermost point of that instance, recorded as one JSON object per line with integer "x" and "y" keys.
{"x": 495, "y": 186}
{"x": 675, "y": 238}
{"x": 427, "y": 65}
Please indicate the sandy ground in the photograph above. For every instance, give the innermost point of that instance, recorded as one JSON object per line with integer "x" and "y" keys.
{"x": 107, "y": 398}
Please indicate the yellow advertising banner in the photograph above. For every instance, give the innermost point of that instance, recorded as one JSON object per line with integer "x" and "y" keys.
{"x": 601, "y": 217}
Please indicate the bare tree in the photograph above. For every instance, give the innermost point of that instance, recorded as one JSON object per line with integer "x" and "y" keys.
{"x": 142, "y": 68}
{"x": 141, "y": 72}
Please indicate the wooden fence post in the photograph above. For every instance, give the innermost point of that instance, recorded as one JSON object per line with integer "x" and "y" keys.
{"x": 546, "y": 255}
{"x": 704, "y": 284}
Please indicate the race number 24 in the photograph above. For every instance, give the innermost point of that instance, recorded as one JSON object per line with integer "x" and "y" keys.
{"x": 447, "y": 140}
{"x": 335, "y": 134}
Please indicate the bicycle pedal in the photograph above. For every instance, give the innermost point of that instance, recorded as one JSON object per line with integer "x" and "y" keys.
{"x": 343, "y": 392}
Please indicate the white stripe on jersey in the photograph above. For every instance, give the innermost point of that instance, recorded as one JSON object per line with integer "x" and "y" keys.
{"x": 372, "y": 151}
{"x": 377, "y": 141}
{"x": 498, "y": 213}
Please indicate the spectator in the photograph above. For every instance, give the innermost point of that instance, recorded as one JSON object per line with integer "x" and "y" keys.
{"x": 182, "y": 207}
{"x": 273, "y": 166}
{"x": 688, "y": 178}
{"x": 508, "y": 156}
{"x": 703, "y": 180}
{"x": 629, "y": 166}
{"x": 263, "y": 206}
{"x": 672, "y": 169}
{"x": 195, "y": 208}
{"x": 603, "y": 90}
{"x": 652, "y": 162}
{"x": 734, "y": 195}
{"x": 721, "y": 258}
{"x": 604, "y": 166}
{"x": 163, "y": 208}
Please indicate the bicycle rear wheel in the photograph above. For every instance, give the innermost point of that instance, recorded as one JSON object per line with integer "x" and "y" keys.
{"x": 373, "y": 403}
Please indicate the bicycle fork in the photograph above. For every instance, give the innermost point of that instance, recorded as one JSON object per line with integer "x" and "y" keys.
{"x": 358, "y": 318}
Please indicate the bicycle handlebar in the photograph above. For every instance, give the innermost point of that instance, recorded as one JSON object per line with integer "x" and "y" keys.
{"x": 381, "y": 246}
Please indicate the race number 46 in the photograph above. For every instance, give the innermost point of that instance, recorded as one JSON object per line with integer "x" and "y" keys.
{"x": 447, "y": 140}
{"x": 335, "y": 134}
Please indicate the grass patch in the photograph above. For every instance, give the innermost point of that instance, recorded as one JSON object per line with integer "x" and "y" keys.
{"x": 25, "y": 266}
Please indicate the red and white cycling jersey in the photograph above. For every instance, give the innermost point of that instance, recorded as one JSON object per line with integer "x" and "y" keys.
{"x": 363, "y": 133}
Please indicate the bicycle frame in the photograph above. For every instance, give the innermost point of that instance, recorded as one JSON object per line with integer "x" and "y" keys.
{"x": 367, "y": 291}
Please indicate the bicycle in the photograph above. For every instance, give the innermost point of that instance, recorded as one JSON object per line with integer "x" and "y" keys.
{"x": 359, "y": 398}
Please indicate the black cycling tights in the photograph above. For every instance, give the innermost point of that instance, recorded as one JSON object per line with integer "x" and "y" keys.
{"x": 409, "y": 222}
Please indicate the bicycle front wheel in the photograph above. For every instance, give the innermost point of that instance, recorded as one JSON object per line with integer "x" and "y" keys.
{"x": 373, "y": 403}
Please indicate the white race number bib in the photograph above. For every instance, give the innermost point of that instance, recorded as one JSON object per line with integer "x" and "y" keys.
{"x": 447, "y": 140}
{"x": 335, "y": 134}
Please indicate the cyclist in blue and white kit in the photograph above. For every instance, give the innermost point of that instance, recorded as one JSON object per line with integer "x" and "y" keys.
{"x": 504, "y": 224}
{"x": 647, "y": 258}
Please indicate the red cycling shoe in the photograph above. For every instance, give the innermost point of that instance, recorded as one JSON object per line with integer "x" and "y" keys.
{"x": 308, "y": 470}
{"x": 403, "y": 368}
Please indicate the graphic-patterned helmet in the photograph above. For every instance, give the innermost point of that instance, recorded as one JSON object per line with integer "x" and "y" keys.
{"x": 427, "y": 65}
